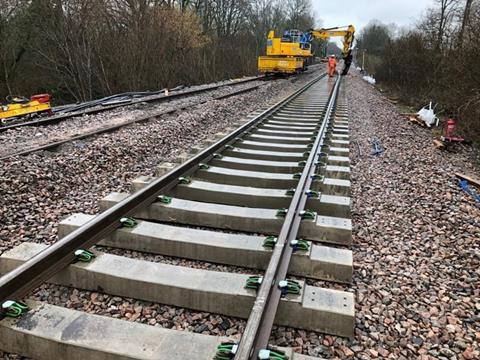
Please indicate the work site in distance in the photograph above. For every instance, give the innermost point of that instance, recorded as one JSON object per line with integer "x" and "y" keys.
{"x": 244, "y": 180}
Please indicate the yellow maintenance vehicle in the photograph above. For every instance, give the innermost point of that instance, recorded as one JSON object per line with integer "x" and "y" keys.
{"x": 19, "y": 107}
{"x": 290, "y": 53}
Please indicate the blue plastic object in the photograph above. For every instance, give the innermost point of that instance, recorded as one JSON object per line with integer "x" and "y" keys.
{"x": 377, "y": 147}
{"x": 464, "y": 186}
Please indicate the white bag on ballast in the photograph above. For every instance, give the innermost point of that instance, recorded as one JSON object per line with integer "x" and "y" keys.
{"x": 369, "y": 79}
{"x": 427, "y": 115}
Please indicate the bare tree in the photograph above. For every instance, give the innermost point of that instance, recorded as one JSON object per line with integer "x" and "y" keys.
{"x": 446, "y": 12}
{"x": 300, "y": 14}
{"x": 465, "y": 19}
{"x": 81, "y": 49}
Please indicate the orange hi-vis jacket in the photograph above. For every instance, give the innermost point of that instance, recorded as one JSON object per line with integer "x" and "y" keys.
{"x": 332, "y": 63}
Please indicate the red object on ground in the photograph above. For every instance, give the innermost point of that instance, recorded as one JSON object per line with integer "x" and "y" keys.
{"x": 41, "y": 98}
{"x": 450, "y": 128}
{"x": 449, "y": 132}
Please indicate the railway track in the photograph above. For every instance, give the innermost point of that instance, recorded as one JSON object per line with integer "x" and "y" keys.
{"x": 109, "y": 128}
{"x": 272, "y": 196}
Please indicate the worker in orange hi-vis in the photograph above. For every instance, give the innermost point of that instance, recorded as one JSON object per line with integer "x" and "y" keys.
{"x": 332, "y": 65}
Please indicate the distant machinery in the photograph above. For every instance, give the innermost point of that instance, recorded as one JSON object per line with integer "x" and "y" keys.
{"x": 291, "y": 53}
{"x": 19, "y": 107}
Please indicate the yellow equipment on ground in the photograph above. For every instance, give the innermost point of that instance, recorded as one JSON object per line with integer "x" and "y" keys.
{"x": 290, "y": 53}
{"x": 20, "y": 107}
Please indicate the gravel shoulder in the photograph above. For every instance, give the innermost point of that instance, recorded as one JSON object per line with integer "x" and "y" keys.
{"x": 416, "y": 243}
{"x": 416, "y": 239}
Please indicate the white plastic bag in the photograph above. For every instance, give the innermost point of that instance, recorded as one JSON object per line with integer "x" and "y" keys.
{"x": 369, "y": 79}
{"x": 427, "y": 115}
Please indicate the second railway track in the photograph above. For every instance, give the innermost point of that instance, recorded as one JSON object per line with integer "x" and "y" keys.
{"x": 273, "y": 195}
{"x": 54, "y": 143}
{"x": 145, "y": 99}
{"x": 34, "y": 144}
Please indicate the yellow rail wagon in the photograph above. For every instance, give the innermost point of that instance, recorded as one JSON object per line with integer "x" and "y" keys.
{"x": 291, "y": 52}
{"x": 21, "y": 107}
{"x": 285, "y": 65}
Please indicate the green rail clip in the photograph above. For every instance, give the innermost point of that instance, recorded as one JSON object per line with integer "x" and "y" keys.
{"x": 309, "y": 146}
{"x": 290, "y": 192}
{"x": 289, "y": 287}
{"x": 270, "y": 242}
{"x": 315, "y": 177}
{"x": 226, "y": 350}
{"x": 321, "y": 154}
{"x": 128, "y": 222}
{"x": 300, "y": 245}
{"x": 307, "y": 215}
{"x": 229, "y": 147}
{"x": 312, "y": 194}
{"x": 239, "y": 139}
{"x": 306, "y": 153}
{"x": 254, "y": 282}
{"x": 267, "y": 354}
{"x": 217, "y": 156}
{"x": 165, "y": 199}
{"x": 302, "y": 163}
{"x": 84, "y": 255}
{"x": 297, "y": 175}
{"x": 321, "y": 164}
{"x": 13, "y": 309}
{"x": 203, "y": 166}
{"x": 281, "y": 212}
{"x": 184, "y": 180}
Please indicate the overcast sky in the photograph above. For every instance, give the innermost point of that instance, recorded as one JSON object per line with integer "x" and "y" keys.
{"x": 360, "y": 12}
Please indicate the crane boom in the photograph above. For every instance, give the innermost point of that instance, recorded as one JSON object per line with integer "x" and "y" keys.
{"x": 348, "y": 33}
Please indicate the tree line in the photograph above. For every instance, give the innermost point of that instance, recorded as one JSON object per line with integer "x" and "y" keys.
{"x": 84, "y": 49}
{"x": 437, "y": 60}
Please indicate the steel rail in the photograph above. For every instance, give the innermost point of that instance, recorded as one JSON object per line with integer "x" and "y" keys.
{"x": 19, "y": 282}
{"x": 111, "y": 128}
{"x": 260, "y": 322}
{"x": 159, "y": 98}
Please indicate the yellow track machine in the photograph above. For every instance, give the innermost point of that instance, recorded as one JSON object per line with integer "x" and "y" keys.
{"x": 290, "y": 53}
{"x": 19, "y": 107}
